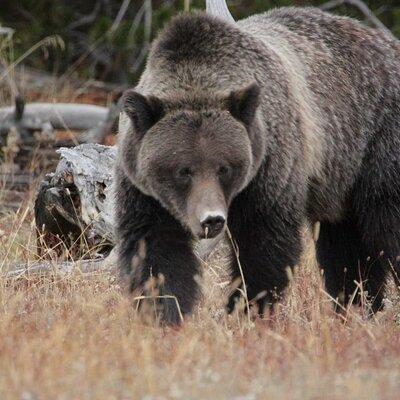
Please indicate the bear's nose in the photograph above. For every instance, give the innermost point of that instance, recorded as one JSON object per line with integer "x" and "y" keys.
{"x": 212, "y": 225}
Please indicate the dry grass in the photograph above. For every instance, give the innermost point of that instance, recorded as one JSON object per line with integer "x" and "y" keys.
{"x": 79, "y": 338}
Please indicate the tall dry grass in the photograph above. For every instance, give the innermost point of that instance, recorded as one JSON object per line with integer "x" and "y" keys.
{"x": 78, "y": 337}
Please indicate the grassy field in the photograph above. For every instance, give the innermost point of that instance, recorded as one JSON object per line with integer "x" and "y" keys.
{"x": 78, "y": 337}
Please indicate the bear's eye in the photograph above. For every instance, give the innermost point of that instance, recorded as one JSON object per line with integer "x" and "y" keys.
{"x": 223, "y": 171}
{"x": 184, "y": 174}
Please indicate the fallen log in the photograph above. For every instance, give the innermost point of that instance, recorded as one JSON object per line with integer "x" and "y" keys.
{"x": 75, "y": 201}
{"x": 30, "y": 135}
{"x": 59, "y": 115}
{"x": 41, "y": 124}
{"x": 84, "y": 267}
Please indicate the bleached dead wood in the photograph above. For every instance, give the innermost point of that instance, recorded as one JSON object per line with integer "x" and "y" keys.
{"x": 59, "y": 115}
{"x": 219, "y": 8}
{"x": 85, "y": 267}
{"x": 76, "y": 199}
{"x": 91, "y": 167}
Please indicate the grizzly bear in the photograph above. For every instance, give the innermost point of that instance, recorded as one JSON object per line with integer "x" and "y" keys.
{"x": 285, "y": 118}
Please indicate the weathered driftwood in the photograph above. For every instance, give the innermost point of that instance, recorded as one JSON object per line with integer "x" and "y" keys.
{"x": 75, "y": 201}
{"x": 59, "y": 115}
{"x": 220, "y": 9}
{"x": 30, "y": 135}
{"x": 85, "y": 267}
{"x": 91, "y": 167}
{"x": 40, "y": 125}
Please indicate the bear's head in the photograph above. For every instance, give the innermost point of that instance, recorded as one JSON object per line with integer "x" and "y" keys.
{"x": 193, "y": 159}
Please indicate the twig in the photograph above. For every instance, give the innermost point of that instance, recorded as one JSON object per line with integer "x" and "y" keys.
{"x": 148, "y": 15}
{"x": 136, "y": 21}
{"x": 186, "y": 6}
{"x": 86, "y": 19}
{"x": 220, "y": 9}
{"x": 236, "y": 251}
{"x": 47, "y": 41}
{"x": 120, "y": 16}
{"x": 365, "y": 10}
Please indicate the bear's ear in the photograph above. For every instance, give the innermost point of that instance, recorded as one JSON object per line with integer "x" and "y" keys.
{"x": 243, "y": 103}
{"x": 143, "y": 111}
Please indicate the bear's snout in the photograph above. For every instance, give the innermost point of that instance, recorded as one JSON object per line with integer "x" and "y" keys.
{"x": 206, "y": 208}
{"x": 212, "y": 225}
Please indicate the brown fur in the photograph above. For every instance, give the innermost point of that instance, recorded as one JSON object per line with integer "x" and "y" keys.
{"x": 304, "y": 108}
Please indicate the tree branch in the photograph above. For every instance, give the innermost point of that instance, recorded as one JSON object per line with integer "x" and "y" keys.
{"x": 219, "y": 8}
{"x": 363, "y": 8}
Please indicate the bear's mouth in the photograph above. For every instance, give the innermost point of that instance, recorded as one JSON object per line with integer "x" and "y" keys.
{"x": 209, "y": 236}
{"x": 212, "y": 231}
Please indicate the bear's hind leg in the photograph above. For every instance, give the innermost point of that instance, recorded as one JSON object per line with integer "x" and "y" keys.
{"x": 380, "y": 224}
{"x": 376, "y": 200}
{"x": 350, "y": 272}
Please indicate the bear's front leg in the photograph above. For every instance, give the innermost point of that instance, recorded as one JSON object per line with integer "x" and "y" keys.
{"x": 155, "y": 255}
{"x": 269, "y": 243}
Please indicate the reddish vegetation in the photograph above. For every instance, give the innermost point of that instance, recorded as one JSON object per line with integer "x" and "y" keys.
{"x": 80, "y": 338}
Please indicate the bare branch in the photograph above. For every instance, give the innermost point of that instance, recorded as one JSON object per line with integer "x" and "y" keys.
{"x": 219, "y": 8}
{"x": 186, "y": 6}
{"x": 148, "y": 16}
{"x": 120, "y": 15}
{"x": 86, "y": 19}
{"x": 361, "y": 6}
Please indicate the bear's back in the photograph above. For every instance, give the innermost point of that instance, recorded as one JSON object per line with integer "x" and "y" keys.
{"x": 341, "y": 73}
